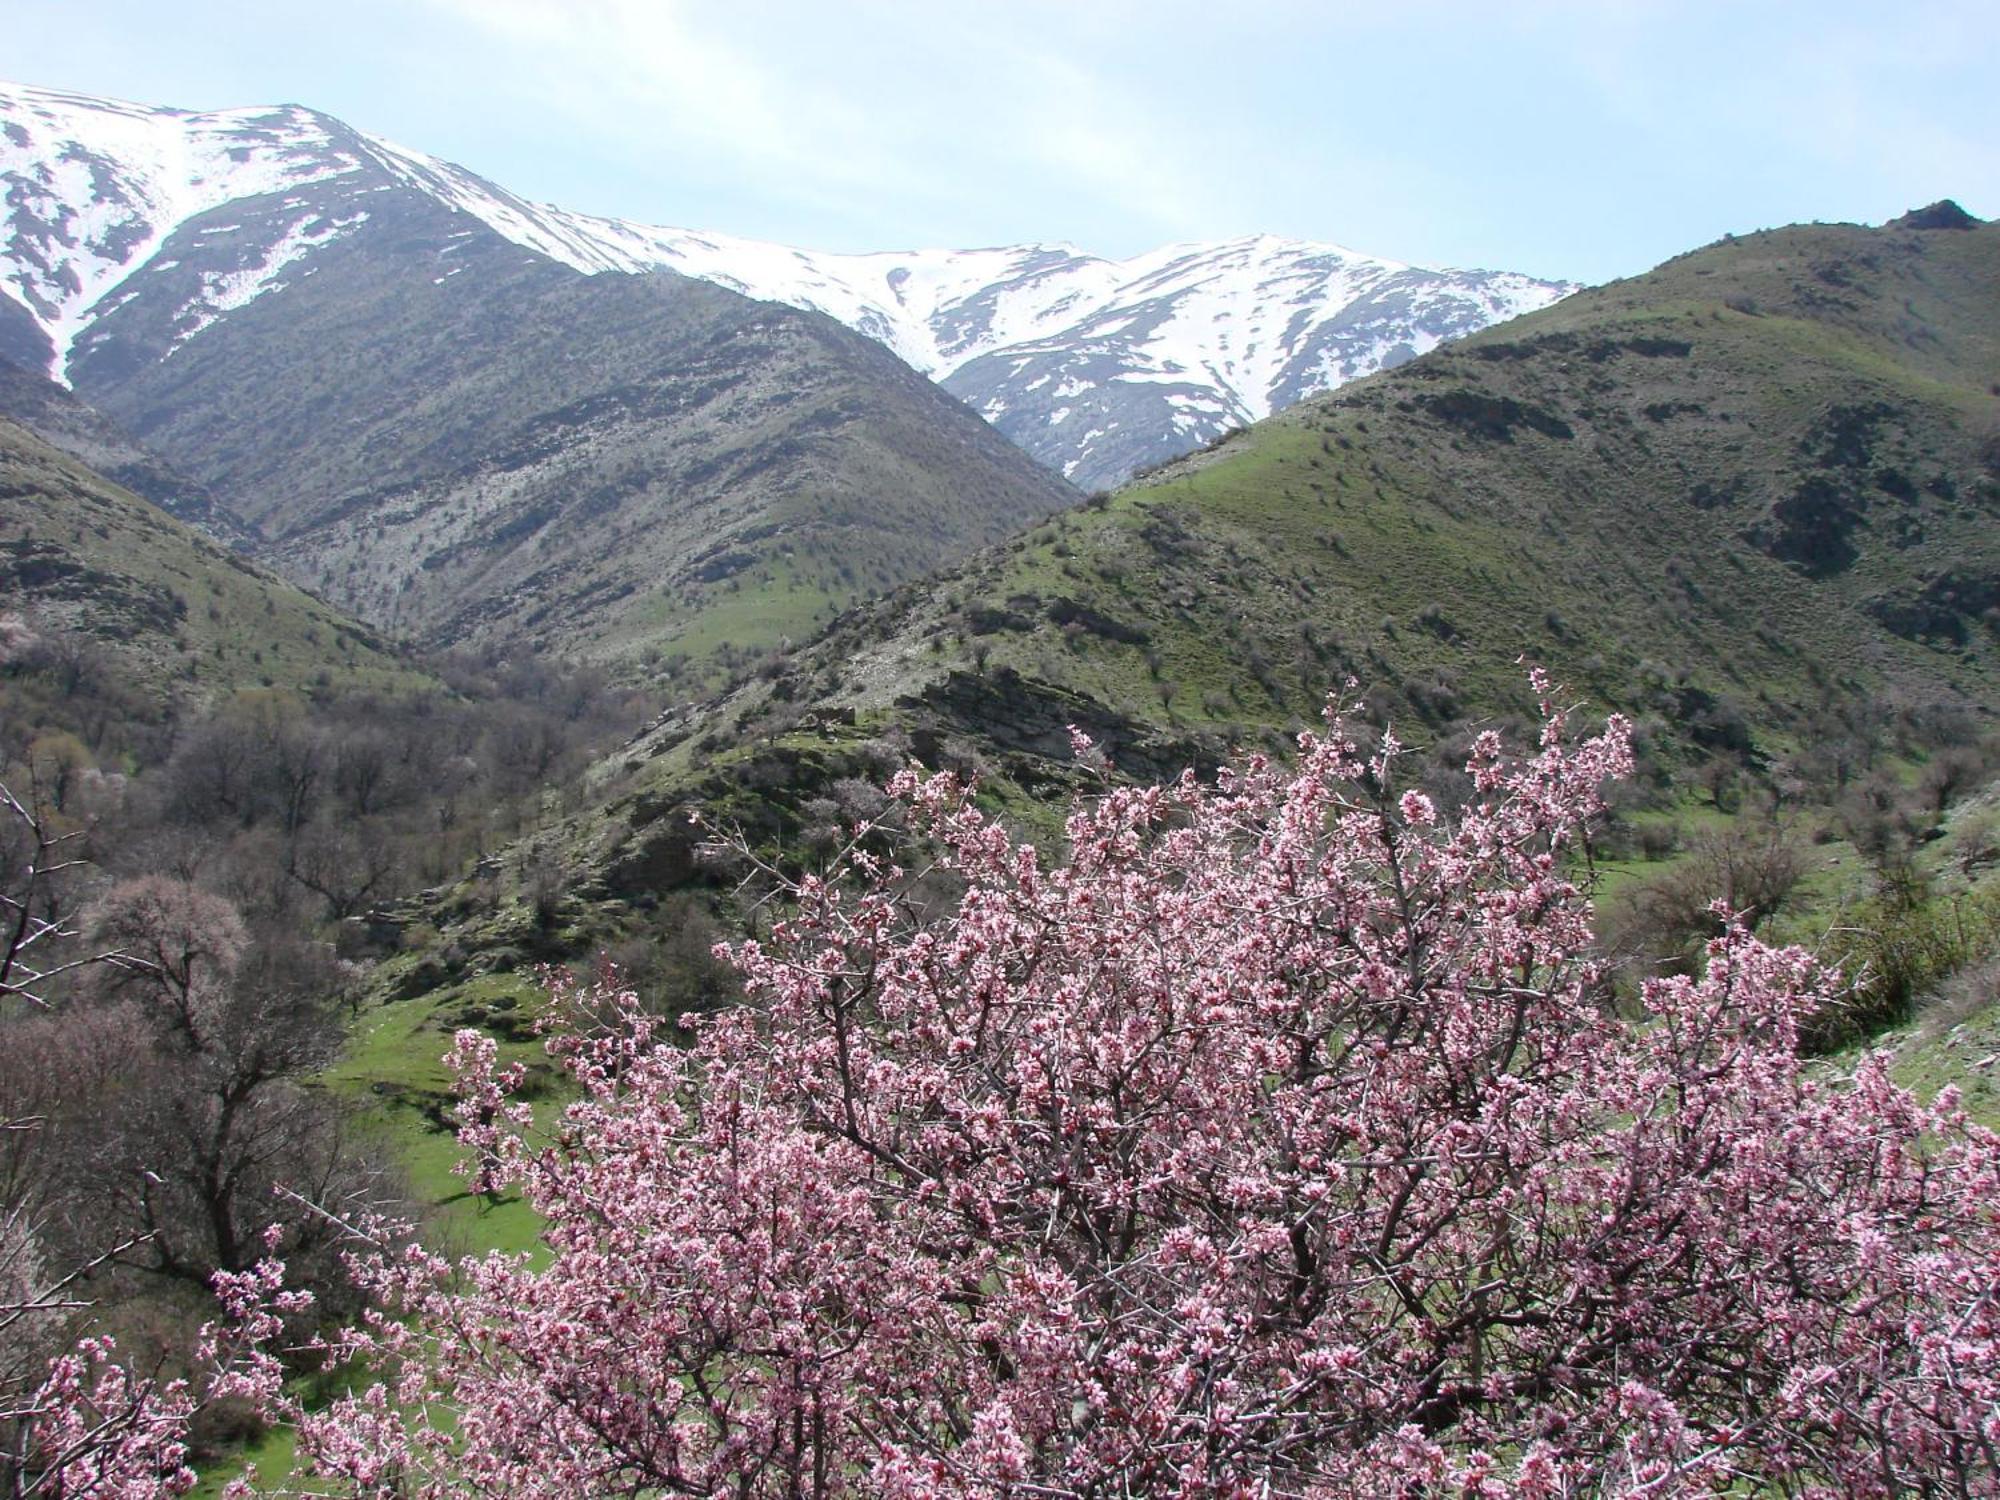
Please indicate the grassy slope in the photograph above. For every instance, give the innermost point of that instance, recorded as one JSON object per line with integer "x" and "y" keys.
{"x": 394, "y": 1067}
{"x": 60, "y": 419}
{"x": 1316, "y": 542}
{"x": 1963, "y": 1053}
{"x": 1955, "y": 1038}
{"x": 1612, "y": 487}
{"x": 174, "y": 608}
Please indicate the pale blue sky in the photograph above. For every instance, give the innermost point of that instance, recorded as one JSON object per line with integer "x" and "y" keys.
{"x": 1564, "y": 138}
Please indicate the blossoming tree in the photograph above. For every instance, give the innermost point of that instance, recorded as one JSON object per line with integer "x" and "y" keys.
{"x": 96, "y": 1429}
{"x": 1278, "y": 1140}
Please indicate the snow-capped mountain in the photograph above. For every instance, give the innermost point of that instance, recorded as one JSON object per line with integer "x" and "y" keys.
{"x": 1097, "y": 367}
{"x": 130, "y": 229}
{"x": 446, "y": 431}
{"x": 95, "y": 188}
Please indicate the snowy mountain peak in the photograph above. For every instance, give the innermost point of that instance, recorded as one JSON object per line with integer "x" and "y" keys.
{"x": 1097, "y": 366}
{"x": 94, "y": 187}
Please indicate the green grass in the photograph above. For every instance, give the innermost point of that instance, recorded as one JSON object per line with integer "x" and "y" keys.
{"x": 394, "y": 1068}
{"x": 1964, "y": 1054}
{"x": 756, "y": 615}
{"x": 272, "y": 1455}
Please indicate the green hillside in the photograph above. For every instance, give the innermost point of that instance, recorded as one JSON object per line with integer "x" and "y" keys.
{"x": 1771, "y": 498}
{"x": 1748, "y": 497}
{"x": 172, "y": 609}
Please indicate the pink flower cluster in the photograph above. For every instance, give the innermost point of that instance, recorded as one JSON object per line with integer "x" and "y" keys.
{"x": 1279, "y": 1140}
{"x": 97, "y": 1429}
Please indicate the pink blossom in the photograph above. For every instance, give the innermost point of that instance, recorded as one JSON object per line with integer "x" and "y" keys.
{"x": 1266, "y": 1143}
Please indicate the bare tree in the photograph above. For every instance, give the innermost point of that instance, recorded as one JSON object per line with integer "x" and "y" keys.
{"x": 40, "y": 1293}
{"x": 38, "y": 946}
{"x": 365, "y": 766}
{"x": 347, "y": 865}
{"x": 1754, "y": 870}
{"x": 217, "y": 1119}
{"x": 1949, "y": 776}
{"x": 172, "y": 945}
{"x": 210, "y": 779}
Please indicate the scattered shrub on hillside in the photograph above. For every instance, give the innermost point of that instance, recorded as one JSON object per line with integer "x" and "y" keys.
{"x": 1898, "y": 954}
{"x": 1965, "y": 994}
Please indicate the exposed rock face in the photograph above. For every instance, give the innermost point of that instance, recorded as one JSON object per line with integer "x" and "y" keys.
{"x": 1943, "y": 214}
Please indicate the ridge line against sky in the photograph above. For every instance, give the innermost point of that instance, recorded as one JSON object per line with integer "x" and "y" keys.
{"x": 1556, "y": 137}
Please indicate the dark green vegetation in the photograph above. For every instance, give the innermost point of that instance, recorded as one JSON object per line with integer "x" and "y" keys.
{"x": 632, "y": 468}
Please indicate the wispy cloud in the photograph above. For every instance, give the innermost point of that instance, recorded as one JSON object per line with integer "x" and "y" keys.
{"x": 900, "y": 102}
{"x": 651, "y": 80}
{"x": 1573, "y": 137}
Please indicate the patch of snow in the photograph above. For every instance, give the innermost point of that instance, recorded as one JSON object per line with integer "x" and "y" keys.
{"x": 95, "y": 186}
{"x": 226, "y": 291}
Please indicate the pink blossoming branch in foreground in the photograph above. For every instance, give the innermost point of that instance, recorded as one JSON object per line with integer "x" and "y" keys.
{"x": 96, "y": 1429}
{"x": 1278, "y": 1140}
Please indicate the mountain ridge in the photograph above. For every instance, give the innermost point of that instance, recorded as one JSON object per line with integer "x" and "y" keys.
{"x": 1097, "y": 367}
{"x": 465, "y": 441}
{"x": 1746, "y": 498}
